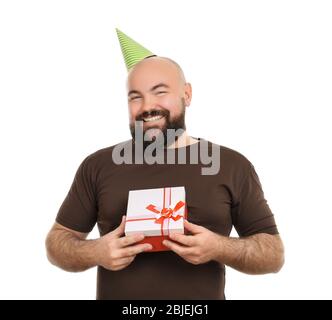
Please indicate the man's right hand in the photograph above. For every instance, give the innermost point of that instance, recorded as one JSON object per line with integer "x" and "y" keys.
{"x": 117, "y": 251}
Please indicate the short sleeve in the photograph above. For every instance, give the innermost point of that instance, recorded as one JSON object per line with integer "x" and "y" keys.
{"x": 79, "y": 209}
{"x": 251, "y": 213}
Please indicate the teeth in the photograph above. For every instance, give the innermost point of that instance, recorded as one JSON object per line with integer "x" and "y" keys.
{"x": 152, "y": 118}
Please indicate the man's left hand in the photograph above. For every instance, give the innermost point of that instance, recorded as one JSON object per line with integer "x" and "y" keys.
{"x": 199, "y": 247}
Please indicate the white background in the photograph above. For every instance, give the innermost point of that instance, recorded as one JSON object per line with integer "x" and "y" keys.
{"x": 261, "y": 73}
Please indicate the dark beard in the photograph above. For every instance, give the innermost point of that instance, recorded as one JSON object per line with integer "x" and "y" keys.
{"x": 175, "y": 124}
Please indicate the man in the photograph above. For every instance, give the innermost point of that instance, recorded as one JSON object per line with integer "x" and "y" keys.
{"x": 194, "y": 267}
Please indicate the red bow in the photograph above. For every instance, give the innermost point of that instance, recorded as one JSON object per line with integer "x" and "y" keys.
{"x": 166, "y": 213}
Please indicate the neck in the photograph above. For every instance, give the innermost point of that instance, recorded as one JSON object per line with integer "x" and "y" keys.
{"x": 182, "y": 141}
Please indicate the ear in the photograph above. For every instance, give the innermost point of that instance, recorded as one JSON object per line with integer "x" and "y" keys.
{"x": 187, "y": 94}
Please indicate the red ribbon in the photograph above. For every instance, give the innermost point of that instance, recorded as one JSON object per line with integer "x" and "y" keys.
{"x": 166, "y": 212}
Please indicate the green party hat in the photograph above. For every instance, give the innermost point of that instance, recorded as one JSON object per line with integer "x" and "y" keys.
{"x": 132, "y": 51}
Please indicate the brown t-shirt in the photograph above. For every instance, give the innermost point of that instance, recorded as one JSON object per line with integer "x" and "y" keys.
{"x": 233, "y": 197}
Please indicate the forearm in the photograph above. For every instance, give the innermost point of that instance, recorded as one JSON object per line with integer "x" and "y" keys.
{"x": 71, "y": 253}
{"x": 257, "y": 254}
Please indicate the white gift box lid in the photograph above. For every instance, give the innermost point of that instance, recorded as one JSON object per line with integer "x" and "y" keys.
{"x": 145, "y": 206}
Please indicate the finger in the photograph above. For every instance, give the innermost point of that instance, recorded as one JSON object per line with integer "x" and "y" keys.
{"x": 193, "y": 228}
{"x": 119, "y": 231}
{"x": 134, "y": 250}
{"x": 186, "y": 240}
{"x": 178, "y": 249}
{"x": 125, "y": 261}
{"x": 129, "y": 240}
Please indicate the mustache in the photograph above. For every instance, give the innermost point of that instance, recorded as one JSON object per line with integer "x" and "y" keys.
{"x": 152, "y": 113}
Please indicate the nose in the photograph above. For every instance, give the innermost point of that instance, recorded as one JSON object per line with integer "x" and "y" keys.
{"x": 148, "y": 104}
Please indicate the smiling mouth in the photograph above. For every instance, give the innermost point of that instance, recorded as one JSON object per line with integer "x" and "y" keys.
{"x": 152, "y": 118}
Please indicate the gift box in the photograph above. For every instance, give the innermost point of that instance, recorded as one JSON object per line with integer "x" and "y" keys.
{"x": 156, "y": 213}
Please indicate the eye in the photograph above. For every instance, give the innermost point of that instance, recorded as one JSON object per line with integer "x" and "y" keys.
{"x": 134, "y": 98}
{"x": 161, "y": 92}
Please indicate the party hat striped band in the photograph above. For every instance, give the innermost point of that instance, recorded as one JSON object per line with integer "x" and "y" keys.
{"x": 132, "y": 51}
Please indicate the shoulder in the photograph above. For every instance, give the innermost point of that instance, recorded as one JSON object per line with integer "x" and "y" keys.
{"x": 102, "y": 157}
{"x": 106, "y": 152}
{"x": 236, "y": 168}
{"x": 234, "y": 156}
{"x": 230, "y": 157}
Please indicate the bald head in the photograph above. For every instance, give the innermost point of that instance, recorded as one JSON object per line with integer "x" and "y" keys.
{"x": 158, "y": 65}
